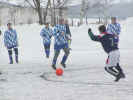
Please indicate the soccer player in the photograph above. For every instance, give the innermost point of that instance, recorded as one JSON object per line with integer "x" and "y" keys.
{"x": 110, "y": 46}
{"x": 60, "y": 43}
{"x": 11, "y": 42}
{"x": 46, "y": 34}
{"x": 114, "y": 28}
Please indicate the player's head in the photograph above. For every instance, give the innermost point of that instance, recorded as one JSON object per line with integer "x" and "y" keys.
{"x": 9, "y": 25}
{"x": 61, "y": 21}
{"x": 113, "y": 20}
{"x": 102, "y": 28}
{"x": 47, "y": 25}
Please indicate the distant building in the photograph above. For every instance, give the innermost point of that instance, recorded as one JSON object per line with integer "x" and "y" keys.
{"x": 22, "y": 15}
{"x": 17, "y": 14}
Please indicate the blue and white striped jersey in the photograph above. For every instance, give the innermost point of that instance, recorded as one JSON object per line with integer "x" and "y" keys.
{"x": 10, "y": 38}
{"x": 46, "y": 34}
{"x": 114, "y": 29}
{"x": 60, "y": 39}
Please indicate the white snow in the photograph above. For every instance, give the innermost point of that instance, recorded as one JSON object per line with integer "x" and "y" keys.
{"x": 83, "y": 79}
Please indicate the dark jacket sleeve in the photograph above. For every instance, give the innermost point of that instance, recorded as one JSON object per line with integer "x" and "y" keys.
{"x": 93, "y": 37}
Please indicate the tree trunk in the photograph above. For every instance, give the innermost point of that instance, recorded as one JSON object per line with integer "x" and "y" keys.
{"x": 39, "y": 10}
{"x": 54, "y": 15}
{"x": 40, "y": 17}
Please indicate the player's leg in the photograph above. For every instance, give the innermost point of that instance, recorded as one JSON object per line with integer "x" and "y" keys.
{"x": 66, "y": 50}
{"x": 110, "y": 65}
{"x": 111, "y": 71}
{"x": 16, "y": 54}
{"x": 47, "y": 50}
{"x": 10, "y": 55}
{"x": 118, "y": 67}
{"x": 114, "y": 58}
{"x": 57, "y": 52}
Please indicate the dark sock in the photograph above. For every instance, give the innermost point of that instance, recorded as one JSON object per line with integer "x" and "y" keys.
{"x": 11, "y": 59}
{"x": 119, "y": 68}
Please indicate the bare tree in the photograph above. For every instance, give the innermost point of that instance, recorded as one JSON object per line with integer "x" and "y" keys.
{"x": 60, "y": 7}
{"x": 12, "y": 12}
{"x": 54, "y": 13}
{"x": 84, "y": 8}
{"x": 104, "y": 6}
{"x": 39, "y": 10}
{"x": 82, "y": 11}
{"x": 36, "y": 4}
{"x": 44, "y": 6}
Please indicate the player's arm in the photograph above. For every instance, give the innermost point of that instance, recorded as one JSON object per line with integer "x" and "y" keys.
{"x": 92, "y": 36}
{"x": 51, "y": 33}
{"x": 16, "y": 37}
{"x": 119, "y": 29}
{"x": 42, "y": 33}
{"x": 5, "y": 38}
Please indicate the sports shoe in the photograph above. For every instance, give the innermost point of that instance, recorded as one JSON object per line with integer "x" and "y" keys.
{"x": 11, "y": 62}
{"x": 123, "y": 75}
{"x": 54, "y": 67}
{"x": 64, "y": 65}
{"x": 119, "y": 76}
{"x": 47, "y": 56}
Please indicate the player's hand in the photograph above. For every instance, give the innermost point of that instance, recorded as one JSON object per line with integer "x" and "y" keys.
{"x": 89, "y": 30}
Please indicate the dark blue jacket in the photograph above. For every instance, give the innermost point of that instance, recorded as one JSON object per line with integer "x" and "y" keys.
{"x": 108, "y": 41}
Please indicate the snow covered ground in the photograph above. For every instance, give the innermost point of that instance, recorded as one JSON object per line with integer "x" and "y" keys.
{"x": 83, "y": 79}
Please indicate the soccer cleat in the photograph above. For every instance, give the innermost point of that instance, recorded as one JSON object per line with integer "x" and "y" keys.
{"x": 123, "y": 75}
{"x": 64, "y": 65}
{"x": 54, "y": 67}
{"x": 17, "y": 61}
{"x": 119, "y": 76}
{"x": 11, "y": 62}
{"x": 47, "y": 56}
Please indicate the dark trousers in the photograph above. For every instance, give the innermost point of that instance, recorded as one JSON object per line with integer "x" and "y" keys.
{"x": 47, "y": 50}
{"x": 57, "y": 52}
{"x": 10, "y": 52}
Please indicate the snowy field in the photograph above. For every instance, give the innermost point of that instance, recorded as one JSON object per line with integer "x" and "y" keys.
{"x": 83, "y": 79}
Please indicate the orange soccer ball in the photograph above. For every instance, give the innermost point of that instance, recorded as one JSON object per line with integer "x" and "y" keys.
{"x": 59, "y": 72}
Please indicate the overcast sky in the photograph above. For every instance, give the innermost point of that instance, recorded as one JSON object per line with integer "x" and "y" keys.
{"x": 74, "y": 2}
{"x": 115, "y": 1}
